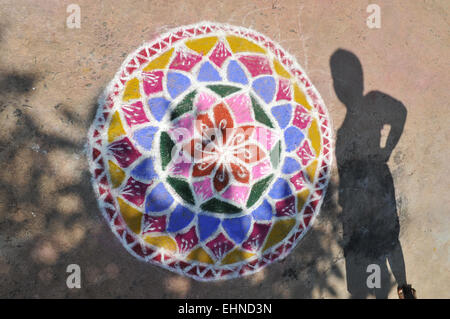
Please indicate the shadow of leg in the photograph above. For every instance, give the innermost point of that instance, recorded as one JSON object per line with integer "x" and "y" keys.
{"x": 397, "y": 264}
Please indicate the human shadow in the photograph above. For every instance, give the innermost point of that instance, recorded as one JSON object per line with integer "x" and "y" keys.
{"x": 366, "y": 188}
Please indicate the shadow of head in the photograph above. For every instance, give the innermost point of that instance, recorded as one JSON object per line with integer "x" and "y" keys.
{"x": 15, "y": 83}
{"x": 347, "y": 74}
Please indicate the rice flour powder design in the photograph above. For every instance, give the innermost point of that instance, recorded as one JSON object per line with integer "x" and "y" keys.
{"x": 210, "y": 152}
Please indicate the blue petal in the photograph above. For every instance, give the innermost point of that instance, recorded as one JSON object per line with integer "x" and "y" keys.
{"x": 180, "y": 218}
{"x": 280, "y": 189}
{"x": 292, "y": 137}
{"x": 208, "y": 73}
{"x": 282, "y": 114}
{"x": 158, "y": 199}
{"x": 235, "y": 73}
{"x": 207, "y": 225}
{"x": 144, "y": 170}
{"x": 237, "y": 228}
{"x": 263, "y": 212}
{"x": 290, "y": 166}
{"x": 158, "y": 107}
{"x": 144, "y": 136}
{"x": 177, "y": 83}
{"x": 265, "y": 88}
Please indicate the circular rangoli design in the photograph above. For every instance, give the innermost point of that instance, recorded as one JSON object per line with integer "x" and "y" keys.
{"x": 210, "y": 152}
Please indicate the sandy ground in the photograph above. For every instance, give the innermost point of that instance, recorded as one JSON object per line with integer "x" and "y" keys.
{"x": 51, "y": 77}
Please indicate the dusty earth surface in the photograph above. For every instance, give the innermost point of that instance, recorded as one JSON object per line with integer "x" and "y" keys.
{"x": 51, "y": 77}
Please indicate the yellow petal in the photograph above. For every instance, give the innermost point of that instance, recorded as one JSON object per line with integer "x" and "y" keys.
{"x": 200, "y": 255}
{"x": 165, "y": 242}
{"x": 115, "y": 128}
{"x": 131, "y": 216}
{"x": 238, "y": 44}
{"x": 117, "y": 174}
{"x": 203, "y": 45}
{"x": 311, "y": 170}
{"x": 314, "y": 136}
{"x": 279, "y": 231}
{"x": 160, "y": 62}
{"x": 280, "y": 69}
{"x": 300, "y": 97}
{"x": 235, "y": 256}
{"x": 132, "y": 90}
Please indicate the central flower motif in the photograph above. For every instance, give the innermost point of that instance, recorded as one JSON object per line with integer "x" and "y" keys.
{"x": 223, "y": 150}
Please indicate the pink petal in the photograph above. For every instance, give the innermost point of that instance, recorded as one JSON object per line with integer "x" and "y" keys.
{"x": 265, "y": 137}
{"x": 134, "y": 114}
{"x": 220, "y": 54}
{"x": 298, "y": 180}
{"x": 181, "y": 166}
{"x": 153, "y": 224}
{"x": 301, "y": 117}
{"x": 286, "y": 207}
{"x": 305, "y": 153}
{"x": 124, "y": 152}
{"x": 203, "y": 189}
{"x": 187, "y": 240}
{"x": 238, "y": 194}
{"x": 134, "y": 191}
{"x": 257, "y": 237}
{"x": 240, "y": 105}
{"x": 284, "y": 90}
{"x": 256, "y": 65}
{"x": 183, "y": 129}
{"x": 204, "y": 101}
{"x": 185, "y": 61}
{"x": 261, "y": 169}
{"x": 152, "y": 81}
{"x": 220, "y": 246}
